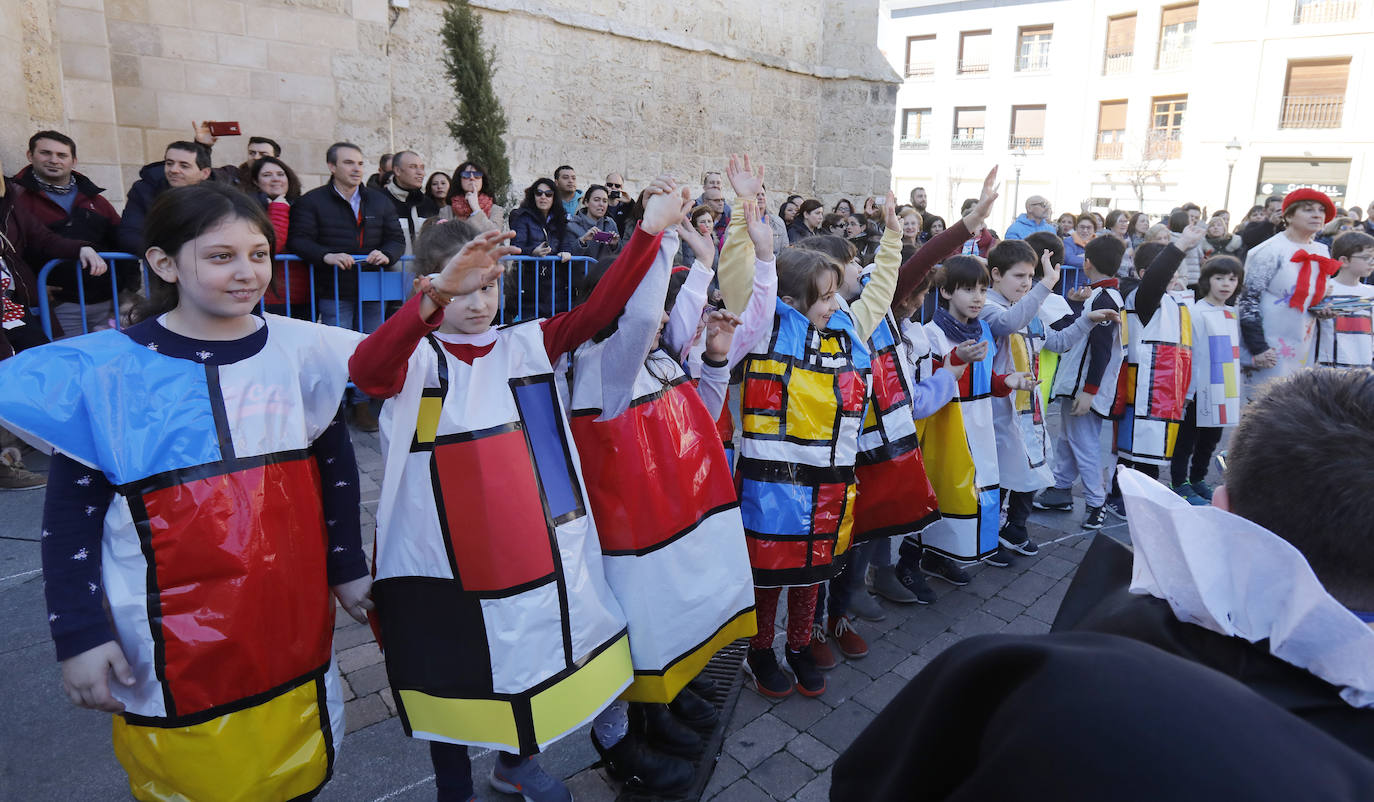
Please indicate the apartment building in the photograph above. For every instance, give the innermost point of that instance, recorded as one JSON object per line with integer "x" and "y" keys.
{"x": 1121, "y": 104}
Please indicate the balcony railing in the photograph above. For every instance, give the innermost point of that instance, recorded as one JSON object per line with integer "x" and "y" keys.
{"x": 1175, "y": 58}
{"x": 1117, "y": 63}
{"x": 1027, "y": 142}
{"x": 1317, "y": 11}
{"x": 914, "y": 144}
{"x": 921, "y": 70}
{"x": 966, "y": 143}
{"x": 973, "y": 67}
{"x": 1312, "y": 111}
{"x": 1033, "y": 64}
{"x": 1108, "y": 150}
{"x": 1163, "y": 145}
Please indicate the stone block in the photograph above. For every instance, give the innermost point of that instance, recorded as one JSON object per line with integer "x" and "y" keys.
{"x": 128, "y": 10}
{"x": 881, "y": 658}
{"x": 842, "y": 682}
{"x": 155, "y": 142}
{"x": 762, "y": 737}
{"x": 977, "y": 622}
{"x": 750, "y": 706}
{"x": 220, "y": 16}
{"x": 812, "y": 752}
{"x": 370, "y": 10}
{"x": 182, "y": 43}
{"x": 212, "y": 79}
{"x": 110, "y": 176}
{"x": 364, "y": 712}
{"x": 170, "y": 12}
{"x": 800, "y": 711}
{"x": 242, "y": 51}
{"x": 781, "y": 775}
{"x": 742, "y": 790}
{"x": 1026, "y": 588}
{"x": 818, "y": 790}
{"x": 95, "y": 142}
{"x": 89, "y": 100}
{"x": 137, "y": 38}
{"x": 361, "y": 101}
{"x": 287, "y": 57}
{"x": 1054, "y": 567}
{"x": 130, "y": 144}
{"x": 727, "y": 771}
{"x": 85, "y": 61}
{"x": 80, "y": 25}
{"x": 361, "y": 656}
{"x": 1003, "y": 608}
{"x": 1025, "y": 625}
{"x": 314, "y": 89}
{"x": 263, "y": 85}
{"x": 350, "y": 634}
{"x": 876, "y": 696}
{"x": 911, "y": 666}
{"x": 177, "y": 110}
{"x": 844, "y": 723}
{"x": 590, "y": 785}
{"x": 124, "y": 70}
{"x": 162, "y": 74}
{"x": 938, "y": 644}
{"x": 369, "y": 679}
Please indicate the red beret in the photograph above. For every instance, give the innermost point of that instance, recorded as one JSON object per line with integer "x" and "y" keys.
{"x": 1300, "y": 195}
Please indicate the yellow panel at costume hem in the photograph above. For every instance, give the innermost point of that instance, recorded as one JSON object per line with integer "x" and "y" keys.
{"x": 761, "y": 424}
{"x": 564, "y": 706}
{"x": 275, "y": 750}
{"x": 1170, "y": 437}
{"x": 427, "y": 422}
{"x": 1049, "y": 361}
{"x": 469, "y": 721}
{"x": 811, "y": 405}
{"x": 846, "y": 528}
{"x": 665, "y": 687}
{"x": 948, "y": 460}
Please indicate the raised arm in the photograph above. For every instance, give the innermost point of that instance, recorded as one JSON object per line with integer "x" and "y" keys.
{"x": 947, "y": 242}
{"x": 876, "y": 297}
{"x": 1003, "y": 321}
{"x": 686, "y": 312}
{"x": 636, "y": 331}
{"x": 735, "y": 275}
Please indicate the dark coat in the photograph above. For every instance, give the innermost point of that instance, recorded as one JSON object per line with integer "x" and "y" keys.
{"x": 24, "y": 234}
{"x": 92, "y": 219}
{"x": 540, "y": 289}
{"x": 322, "y": 223}
{"x": 152, "y": 181}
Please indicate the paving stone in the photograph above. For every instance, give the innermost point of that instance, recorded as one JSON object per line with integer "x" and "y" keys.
{"x": 977, "y": 623}
{"x": 1025, "y": 625}
{"x": 750, "y": 706}
{"x": 1045, "y": 608}
{"x": 347, "y": 689}
{"x": 1027, "y": 588}
{"x": 743, "y": 791}
{"x": 812, "y": 752}
{"x": 818, "y": 790}
{"x": 758, "y": 739}
{"x": 986, "y": 583}
{"x": 938, "y": 644}
{"x": 781, "y": 775}
{"x": 1005, "y": 609}
{"x": 370, "y": 679}
{"x": 801, "y": 711}
{"x": 361, "y": 656}
{"x": 876, "y": 696}
{"x": 882, "y": 657}
{"x": 350, "y": 635}
{"x": 902, "y": 640}
{"x": 726, "y": 772}
{"x": 1053, "y": 566}
{"x": 958, "y": 603}
{"x": 590, "y": 786}
{"x": 911, "y": 666}
{"x": 842, "y": 682}
{"x": 926, "y": 623}
{"x": 364, "y": 712}
{"x": 842, "y": 726}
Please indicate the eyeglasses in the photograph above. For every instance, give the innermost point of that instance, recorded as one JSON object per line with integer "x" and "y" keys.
{"x": 543, "y": 193}
{"x": 470, "y": 174}
{"x": 613, "y": 186}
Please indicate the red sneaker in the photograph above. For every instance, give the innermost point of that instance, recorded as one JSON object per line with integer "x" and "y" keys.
{"x": 821, "y": 654}
{"x": 851, "y": 644}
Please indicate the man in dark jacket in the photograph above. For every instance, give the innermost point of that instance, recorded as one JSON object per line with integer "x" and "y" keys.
{"x": 71, "y": 205}
{"x": 183, "y": 164}
{"x": 1255, "y": 233}
{"x": 406, "y": 189}
{"x": 329, "y": 225}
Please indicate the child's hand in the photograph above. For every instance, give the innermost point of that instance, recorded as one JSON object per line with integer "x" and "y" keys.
{"x": 957, "y": 371}
{"x": 1101, "y": 315}
{"x": 1266, "y": 360}
{"x": 1080, "y": 294}
{"x": 86, "y": 677}
{"x": 477, "y": 264}
{"x": 1021, "y": 381}
{"x": 666, "y": 204}
{"x": 972, "y": 350}
{"x": 699, "y": 243}
{"x": 890, "y": 218}
{"x": 1191, "y": 236}
{"x": 746, "y": 182}
{"x": 1051, "y": 269}
{"x": 759, "y": 232}
{"x": 986, "y": 198}
{"x": 720, "y": 331}
{"x": 1324, "y": 313}
{"x": 1082, "y": 402}
{"x": 356, "y": 597}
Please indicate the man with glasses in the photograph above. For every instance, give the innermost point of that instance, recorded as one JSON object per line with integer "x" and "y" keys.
{"x": 620, "y": 200}
{"x": 1035, "y": 219}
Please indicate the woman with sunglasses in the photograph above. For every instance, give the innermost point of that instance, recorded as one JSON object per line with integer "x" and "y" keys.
{"x": 541, "y": 229}
{"x": 469, "y": 203}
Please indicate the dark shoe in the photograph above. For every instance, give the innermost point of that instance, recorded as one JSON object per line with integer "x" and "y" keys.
{"x": 887, "y": 585}
{"x": 943, "y": 568}
{"x": 640, "y": 768}
{"x": 702, "y": 685}
{"x": 1116, "y": 506}
{"x": 693, "y": 710}
{"x": 363, "y": 419}
{"x": 913, "y": 581}
{"x": 1190, "y": 495}
{"x": 663, "y": 732}
{"x": 1000, "y": 559}
{"x": 769, "y": 680}
{"x": 1053, "y": 498}
{"x": 1203, "y": 489}
{"x": 530, "y": 781}
{"x": 1095, "y": 518}
{"x": 810, "y": 681}
{"x": 865, "y": 606}
{"x": 821, "y": 652}
{"x": 1026, "y": 546}
{"x": 850, "y": 643}
{"x": 17, "y": 477}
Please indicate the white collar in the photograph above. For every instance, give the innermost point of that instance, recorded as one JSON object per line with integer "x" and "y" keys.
{"x": 1232, "y": 576}
{"x": 485, "y": 338}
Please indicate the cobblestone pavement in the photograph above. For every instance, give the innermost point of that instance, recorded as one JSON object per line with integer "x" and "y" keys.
{"x": 776, "y": 750}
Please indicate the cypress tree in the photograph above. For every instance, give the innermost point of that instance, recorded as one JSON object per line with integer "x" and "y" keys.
{"x": 480, "y": 122}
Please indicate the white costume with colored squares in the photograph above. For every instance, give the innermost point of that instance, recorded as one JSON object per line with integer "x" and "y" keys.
{"x": 1216, "y": 364}
{"x": 1347, "y": 340}
{"x": 1153, "y": 392}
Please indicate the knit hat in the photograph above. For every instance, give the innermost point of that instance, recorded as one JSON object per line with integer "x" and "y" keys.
{"x": 1300, "y": 195}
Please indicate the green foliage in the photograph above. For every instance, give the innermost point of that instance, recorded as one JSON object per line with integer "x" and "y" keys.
{"x": 479, "y": 123}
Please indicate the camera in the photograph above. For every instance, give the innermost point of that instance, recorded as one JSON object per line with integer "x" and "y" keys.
{"x": 602, "y": 236}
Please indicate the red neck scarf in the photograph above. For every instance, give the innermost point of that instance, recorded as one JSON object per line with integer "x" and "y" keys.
{"x": 1325, "y": 267}
{"x": 461, "y": 209}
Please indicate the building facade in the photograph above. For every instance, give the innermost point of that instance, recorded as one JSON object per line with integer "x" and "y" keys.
{"x": 636, "y": 88}
{"x": 1113, "y": 104}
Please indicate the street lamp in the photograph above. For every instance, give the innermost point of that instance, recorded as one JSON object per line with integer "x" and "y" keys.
{"x": 1233, "y": 149}
{"x": 1018, "y": 158}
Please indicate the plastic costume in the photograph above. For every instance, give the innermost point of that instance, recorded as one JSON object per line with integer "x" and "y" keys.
{"x": 1071, "y": 372}
{"x": 1153, "y": 392}
{"x": 1347, "y": 340}
{"x": 215, "y": 533}
{"x": 1216, "y": 364}
{"x": 804, "y": 400}
{"x": 496, "y": 620}
{"x": 960, "y": 447}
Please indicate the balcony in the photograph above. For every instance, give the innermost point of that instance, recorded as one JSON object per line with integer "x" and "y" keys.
{"x": 1312, "y": 12}
{"x": 1117, "y": 63}
{"x": 966, "y": 143}
{"x": 921, "y": 70}
{"x": 973, "y": 67}
{"x": 1312, "y": 111}
{"x": 1107, "y": 151}
{"x": 914, "y": 144}
{"x": 1163, "y": 145}
{"x": 1027, "y": 142}
{"x": 1175, "y": 58}
{"x": 1033, "y": 64}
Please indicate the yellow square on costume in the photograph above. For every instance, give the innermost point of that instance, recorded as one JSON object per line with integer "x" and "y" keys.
{"x": 770, "y": 366}
{"x": 1185, "y": 325}
{"x": 427, "y": 422}
{"x": 830, "y": 345}
{"x": 811, "y": 405}
{"x": 761, "y": 424}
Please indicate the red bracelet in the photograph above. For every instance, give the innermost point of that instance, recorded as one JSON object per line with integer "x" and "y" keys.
{"x": 434, "y": 293}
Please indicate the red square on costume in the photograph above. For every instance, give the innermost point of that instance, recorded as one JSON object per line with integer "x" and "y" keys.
{"x": 887, "y": 381}
{"x": 241, "y": 586}
{"x": 491, "y": 503}
{"x": 822, "y": 552}
{"x": 852, "y": 391}
{"x": 830, "y": 501}
{"x": 1173, "y": 366}
{"x": 776, "y": 555}
{"x": 1352, "y": 324}
{"x": 764, "y": 394}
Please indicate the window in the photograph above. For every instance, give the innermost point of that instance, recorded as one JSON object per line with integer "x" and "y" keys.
{"x": 1166, "y": 126}
{"x": 1282, "y": 176}
{"x": 968, "y": 128}
{"x": 915, "y": 129}
{"x": 1033, "y": 48}
{"x": 1120, "y": 50}
{"x": 1315, "y": 11}
{"x": 920, "y": 56}
{"x": 1176, "y": 26}
{"x": 1314, "y": 94}
{"x": 1111, "y": 128}
{"x": 975, "y": 52}
{"x": 1027, "y": 128}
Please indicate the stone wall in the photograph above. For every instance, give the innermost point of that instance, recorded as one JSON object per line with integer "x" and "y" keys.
{"x": 633, "y": 87}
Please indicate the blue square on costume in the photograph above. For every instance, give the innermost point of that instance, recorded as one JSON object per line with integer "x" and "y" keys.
{"x": 543, "y": 421}
{"x": 989, "y": 514}
{"x": 1220, "y": 347}
{"x": 776, "y": 509}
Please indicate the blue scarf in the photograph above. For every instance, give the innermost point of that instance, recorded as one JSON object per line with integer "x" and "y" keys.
{"x": 956, "y": 331}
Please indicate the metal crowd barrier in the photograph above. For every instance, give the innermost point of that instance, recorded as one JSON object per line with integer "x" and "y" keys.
{"x": 541, "y": 286}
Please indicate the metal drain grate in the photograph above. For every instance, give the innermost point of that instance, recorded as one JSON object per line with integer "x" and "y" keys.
{"x": 726, "y": 670}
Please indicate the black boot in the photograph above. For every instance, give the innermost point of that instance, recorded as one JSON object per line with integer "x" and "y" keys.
{"x": 693, "y": 710}
{"x": 663, "y": 732}
{"x": 640, "y": 768}
{"x": 702, "y": 685}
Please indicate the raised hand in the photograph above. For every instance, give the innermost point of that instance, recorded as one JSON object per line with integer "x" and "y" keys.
{"x": 477, "y": 264}
{"x": 665, "y": 204}
{"x": 1051, "y": 270}
{"x": 699, "y": 243}
{"x": 759, "y": 232}
{"x": 972, "y": 350}
{"x": 743, "y": 179}
{"x": 1191, "y": 236}
{"x": 986, "y": 197}
{"x": 890, "y": 218}
{"x": 1079, "y": 294}
{"x": 720, "y": 330}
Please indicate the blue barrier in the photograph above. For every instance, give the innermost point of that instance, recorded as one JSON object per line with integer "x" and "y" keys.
{"x": 539, "y": 287}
